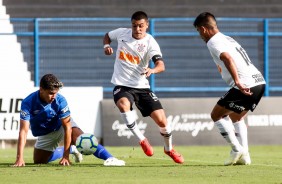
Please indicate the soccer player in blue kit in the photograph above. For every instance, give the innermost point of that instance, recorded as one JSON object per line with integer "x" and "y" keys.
{"x": 47, "y": 114}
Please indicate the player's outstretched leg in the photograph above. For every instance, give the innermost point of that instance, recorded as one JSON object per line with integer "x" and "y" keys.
{"x": 57, "y": 154}
{"x": 130, "y": 120}
{"x": 110, "y": 160}
{"x": 59, "y": 151}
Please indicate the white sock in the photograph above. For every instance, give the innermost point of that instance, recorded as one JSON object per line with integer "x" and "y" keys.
{"x": 73, "y": 149}
{"x": 227, "y": 131}
{"x": 242, "y": 134}
{"x": 129, "y": 119}
{"x": 166, "y": 133}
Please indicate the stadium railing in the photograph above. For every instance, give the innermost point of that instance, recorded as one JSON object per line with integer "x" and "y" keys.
{"x": 189, "y": 66}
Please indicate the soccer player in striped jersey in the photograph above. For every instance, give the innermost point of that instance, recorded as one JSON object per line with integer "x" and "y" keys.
{"x": 246, "y": 83}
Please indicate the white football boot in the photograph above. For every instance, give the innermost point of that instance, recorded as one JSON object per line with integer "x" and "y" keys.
{"x": 245, "y": 159}
{"x": 233, "y": 158}
{"x": 112, "y": 161}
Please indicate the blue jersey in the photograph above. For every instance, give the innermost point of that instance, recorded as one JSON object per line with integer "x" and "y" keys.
{"x": 43, "y": 117}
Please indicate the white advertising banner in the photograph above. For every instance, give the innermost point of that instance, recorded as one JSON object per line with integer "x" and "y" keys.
{"x": 84, "y": 103}
{"x": 191, "y": 123}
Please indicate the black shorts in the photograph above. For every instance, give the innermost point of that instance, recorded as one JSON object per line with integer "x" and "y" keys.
{"x": 145, "y": 100}
{"x": 236, "y": 101}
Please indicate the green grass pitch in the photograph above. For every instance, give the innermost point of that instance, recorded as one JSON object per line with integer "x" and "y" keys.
{"x": 203, "y": 164}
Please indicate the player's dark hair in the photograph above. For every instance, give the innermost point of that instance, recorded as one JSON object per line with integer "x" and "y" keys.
{"x": 50, "y": 82}
{"x": 139, "y": 15}
{"x": 204, "y": 19}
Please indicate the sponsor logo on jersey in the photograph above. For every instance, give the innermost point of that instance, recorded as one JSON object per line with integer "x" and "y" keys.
{"x": 129, "y": 58}
{"x": 258, "y": 78}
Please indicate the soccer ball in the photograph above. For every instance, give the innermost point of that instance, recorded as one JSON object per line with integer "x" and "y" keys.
{"x": 86, "y": 144}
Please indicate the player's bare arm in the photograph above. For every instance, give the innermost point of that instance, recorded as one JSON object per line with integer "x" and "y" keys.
{"x": 231, "y": 67}
{"x": 108, "y": 50}
{"x": 66, "y": 123}
{"x": 24, "y": 127}
{"x": 159, "y": 67}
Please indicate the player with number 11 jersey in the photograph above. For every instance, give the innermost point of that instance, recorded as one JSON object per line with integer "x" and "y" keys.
{"x": 246, "y": 82}
{"x": 248, "y": 73}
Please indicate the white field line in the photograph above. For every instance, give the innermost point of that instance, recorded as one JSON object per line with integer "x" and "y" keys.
{"x": 209, "y": 162}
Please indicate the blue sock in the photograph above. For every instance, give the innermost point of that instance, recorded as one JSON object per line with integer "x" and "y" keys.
{"x": 102, "y": 153}
{"x": 58, "y": 153}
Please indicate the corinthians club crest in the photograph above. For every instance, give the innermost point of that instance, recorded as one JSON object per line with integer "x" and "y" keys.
{"x": 140, "y": 47}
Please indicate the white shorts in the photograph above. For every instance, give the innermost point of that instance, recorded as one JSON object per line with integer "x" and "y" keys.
{"x": 50, "y": 142}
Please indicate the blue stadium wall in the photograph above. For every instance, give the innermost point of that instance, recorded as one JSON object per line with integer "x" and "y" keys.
{"x": 79, "y": 60}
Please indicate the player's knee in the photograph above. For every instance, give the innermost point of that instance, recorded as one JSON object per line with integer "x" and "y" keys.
{"x": 75, "y": 133}
{"x": 123, "y": 104}
{"x": 40, "y": 161}
{"x": 41, "y": 156}
{"x": 214, "y": 117}
{"x": 159, "y": 117}
{"x": 161, "y": 122}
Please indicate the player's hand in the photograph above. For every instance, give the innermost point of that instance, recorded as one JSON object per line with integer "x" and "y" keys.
{"x": 244, "y": 90}
{"x": 19, "y": 163}
{"x": 247, "y": 91}
{"x": 148, "y": 72}
{"x": 108, "y": 50}
{"x": 65, "y": 162}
